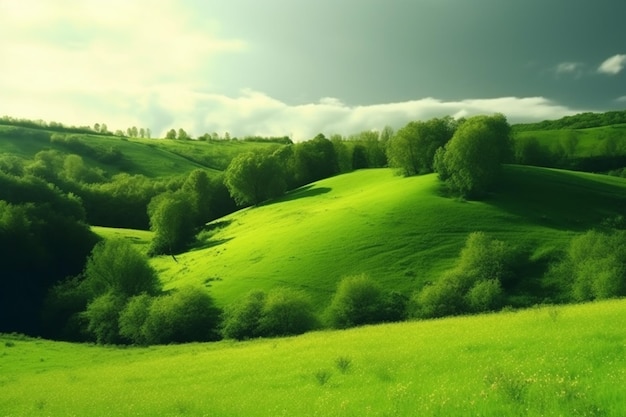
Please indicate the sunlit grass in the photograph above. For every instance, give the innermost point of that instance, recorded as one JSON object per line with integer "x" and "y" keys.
{"x": 549, "y": 361}
{"x": 400, "y": 231}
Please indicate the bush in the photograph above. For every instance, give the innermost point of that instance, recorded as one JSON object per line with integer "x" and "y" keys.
{"x": 475, "y": 284}
{"x": 186, "y": 315}
{"x": 133, "y": 318}
{"x": 281, "y": 312}
{"x": 594, "y": 266}
{"x": 358, "y": 301}
{"x": 242, "y": 318}
{"x": 102, "y": 315}
{"x": 485, "y": 295}
{"x": 286, "y": 312}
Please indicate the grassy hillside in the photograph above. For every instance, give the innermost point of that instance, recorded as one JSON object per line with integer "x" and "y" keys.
{"x": 149, "y": 157}
{"x": 583, "y": 142}
{"x": 550, "y": 361}
{"x": 400, "y": 231}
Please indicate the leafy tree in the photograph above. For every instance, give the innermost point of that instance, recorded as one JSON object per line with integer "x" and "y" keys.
{"x": 115, "y": 266}
{"x": 182, "y": 135}
{"x": 314, "y": 160}
{"x": 252, "y": 178}
{"x": 358, "y": 301}
{"x": 199, "y": 189}
{"x": 171, "y": 134}
{"x": 412, "y": 149}
{"x": 470, "y": 163}
{"x": 172, "y": 221}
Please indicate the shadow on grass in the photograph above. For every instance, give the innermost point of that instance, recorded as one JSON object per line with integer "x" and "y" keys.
{"x": 557, "y": 199}
{"x": 302, "y": 192}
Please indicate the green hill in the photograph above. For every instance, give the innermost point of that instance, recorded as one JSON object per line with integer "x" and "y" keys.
{"x": 550, "y": 361}
{"x": 150, "y": 157}
{"x": 400, "y": 231}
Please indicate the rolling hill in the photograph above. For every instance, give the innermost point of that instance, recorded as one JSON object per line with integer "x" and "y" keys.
{"x": 402, "y": 232}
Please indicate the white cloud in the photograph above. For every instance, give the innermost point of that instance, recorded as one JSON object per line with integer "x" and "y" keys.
{"x": 569, "y": 68}
{"x": 621, "y": 99}
{"x": 255, "y": 113}
{"x": 149, "y": 64}
{"x": 613, "y": 65}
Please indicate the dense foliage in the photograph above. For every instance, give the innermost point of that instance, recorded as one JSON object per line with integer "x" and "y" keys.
{"x": 578, "y": 121}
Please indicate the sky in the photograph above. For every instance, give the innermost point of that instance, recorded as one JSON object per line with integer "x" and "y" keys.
{"x": 302, "y": 67}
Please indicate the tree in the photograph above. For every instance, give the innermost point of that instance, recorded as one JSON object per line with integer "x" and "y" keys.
{"x": 471, "y": 162}
{"x": 252, "y": 178}
{"x": 148, "y": 133}
{"x": 171, "y": 134}
{"x": 412, "y": 149}
{"x": 172, "y": 221}
{"x": 314, "y": 160}
{"x": 102, "y": 315}
{"x": 115, "y": 266}
{"x": 198, "y": 188}
{"x": 182, "y": 135}
{"x": 142, "y": 133}
{"x": 96, "y": 127}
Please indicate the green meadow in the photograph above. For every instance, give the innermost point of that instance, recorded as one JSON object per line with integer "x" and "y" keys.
{"x": 545, "y": 361}
{"x": 400, "y": 231}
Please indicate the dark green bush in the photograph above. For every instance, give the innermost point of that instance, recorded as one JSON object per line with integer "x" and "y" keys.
{"x": 102, "y": 315}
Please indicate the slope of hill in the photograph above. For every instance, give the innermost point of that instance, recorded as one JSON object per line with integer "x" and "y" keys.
{"x": 400, "y": 231}
{"x": 149, "y": 157}
{"x": 550, "y": 361}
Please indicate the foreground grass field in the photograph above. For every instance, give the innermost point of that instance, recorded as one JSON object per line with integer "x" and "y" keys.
{"x": 548, "y": 361}
{"x": 400, "y": 231}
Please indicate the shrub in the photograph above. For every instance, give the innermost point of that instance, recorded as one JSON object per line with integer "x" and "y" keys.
{"x": 594, "y": 266}
{"x": 358, "y": 301}
{"x": 102, "y": 315}
{"x": 286, "y": 312}
{"x": 485, "y": 295}
{"x": 475, "y": 284}
{"x": 186, "y": 315}
{"x": 281, "y": 312}
{"x": 133, "y": 318}
{"x": 242, "y": 318}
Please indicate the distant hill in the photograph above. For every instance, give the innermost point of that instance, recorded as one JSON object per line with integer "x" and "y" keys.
{"x": 400, "y": 231}
{"x": 577, "y": 121}
{"x": 150, "y": 157}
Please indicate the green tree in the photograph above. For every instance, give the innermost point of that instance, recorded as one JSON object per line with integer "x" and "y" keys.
{"x": 133, "y": 318}
{"x": 182, "y": 135}
{"x": 199, "y": 189}
{"x": 412, "y": 149}
{"x": 171, "y": 134}
{"x": 471, "y": 162}
{"x": 116, "y": 267}
{"x": 252, "y": 178}
{"x": 172, "y": 221}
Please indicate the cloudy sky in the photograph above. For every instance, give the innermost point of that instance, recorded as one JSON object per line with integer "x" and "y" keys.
{"x": 301, "y": 67}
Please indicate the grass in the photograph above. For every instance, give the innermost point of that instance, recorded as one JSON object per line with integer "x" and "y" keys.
{"x": 150, "y": 157}
{"x": 400, "y": 231}
{"x": 547, "y": 361}
{"x": 591, "y": 142}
